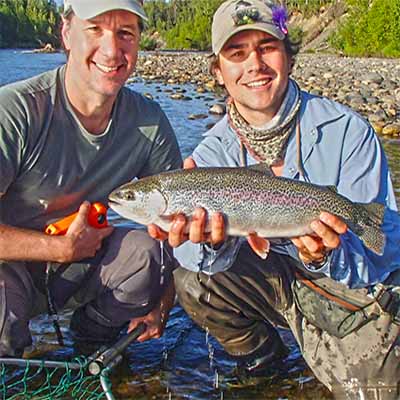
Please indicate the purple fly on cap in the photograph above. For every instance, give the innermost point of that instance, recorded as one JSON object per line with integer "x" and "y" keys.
{"x": 234, "y": 16}
{"x": 280, "y": 17}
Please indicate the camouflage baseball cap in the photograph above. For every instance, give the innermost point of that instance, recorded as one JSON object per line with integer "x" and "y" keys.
{"x": 87, "y": 9}
{"x": 234, "y": 16}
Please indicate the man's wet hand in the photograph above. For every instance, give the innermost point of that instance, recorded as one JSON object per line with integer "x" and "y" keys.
{"x": 157, "y": 318}
{"x": 326, "y": 237}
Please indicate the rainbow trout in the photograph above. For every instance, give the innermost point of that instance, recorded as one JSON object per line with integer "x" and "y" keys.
{"x": 251, "y": 200}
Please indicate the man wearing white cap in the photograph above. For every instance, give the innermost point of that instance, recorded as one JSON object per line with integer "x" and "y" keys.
{"x": 69, "y": 137}
{"x": 340, "y": 300}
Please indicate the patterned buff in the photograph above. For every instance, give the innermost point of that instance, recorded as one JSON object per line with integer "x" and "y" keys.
{"x": 268, "y": 145}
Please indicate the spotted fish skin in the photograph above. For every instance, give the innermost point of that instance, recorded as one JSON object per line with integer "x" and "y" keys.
{"x": 251, "y": 200}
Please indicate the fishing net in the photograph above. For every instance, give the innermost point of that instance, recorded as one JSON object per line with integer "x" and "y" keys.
{"x": 39, "y": 379}
{"x": 81, "y": 378}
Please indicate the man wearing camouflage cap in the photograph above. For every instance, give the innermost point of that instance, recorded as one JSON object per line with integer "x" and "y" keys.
{"x": 340, "y": 300}
{"x": 69, "y": 137}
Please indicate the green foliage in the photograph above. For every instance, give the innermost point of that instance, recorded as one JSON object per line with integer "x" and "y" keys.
{"x": 307, "y": 7}
{"x": 8, "y": 28}
{"x": 184, "y": 24}
{"x": 372, "y": 28}
{"x": 296, "y": 34}
{"x": 147, "y": 42}
{"x": 28, "y": 22}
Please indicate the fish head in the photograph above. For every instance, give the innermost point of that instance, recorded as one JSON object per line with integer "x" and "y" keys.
{"x": 141, "y": 201}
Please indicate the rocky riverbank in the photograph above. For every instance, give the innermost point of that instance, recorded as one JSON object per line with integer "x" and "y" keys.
{"x": 369, "y": 86}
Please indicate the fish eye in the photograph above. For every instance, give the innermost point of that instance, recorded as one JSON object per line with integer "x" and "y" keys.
{"x": 129, "y": 196}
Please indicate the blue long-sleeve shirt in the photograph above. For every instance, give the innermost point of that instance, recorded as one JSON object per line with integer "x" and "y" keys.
{"x": 338, "y": 148}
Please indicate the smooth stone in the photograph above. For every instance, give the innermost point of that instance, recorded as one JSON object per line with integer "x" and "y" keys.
{"x": 372, "y": 77}
{"x": 316, "y": 92}
{"x": 328, "y": 75}
{"x": 379, "y": 116}
{"x": 197, "y": 116}
{"x": 177, "y": 96}
{"x": 391, "y": 112}
{"x": 372, "y": 100}
{"x": 148, "y": 95}
{"x": 392, "y": 130}
{"x": 378, "y": 126}
{"x": 218, "y": 109}
{"x": 211, "y": 84}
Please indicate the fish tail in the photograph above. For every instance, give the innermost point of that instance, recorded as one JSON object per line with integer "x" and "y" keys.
{"x": 369, "y": 225}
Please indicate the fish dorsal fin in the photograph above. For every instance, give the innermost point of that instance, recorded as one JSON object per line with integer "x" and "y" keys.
{"x": 261, "y": 167}
{"x": 332, "y": 188}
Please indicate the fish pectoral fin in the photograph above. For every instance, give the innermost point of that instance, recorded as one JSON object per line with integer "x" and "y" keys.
{"x": 167, "y": 218}
{"x": 164, "y": 221}
{"x": 259, "y": 245}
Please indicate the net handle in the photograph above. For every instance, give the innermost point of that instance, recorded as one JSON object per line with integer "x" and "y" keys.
{"x": 22, "y": 362}
{"x": 104, "y": 359}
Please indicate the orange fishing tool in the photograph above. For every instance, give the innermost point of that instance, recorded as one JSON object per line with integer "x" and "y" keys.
{"x": 97, "y": 218}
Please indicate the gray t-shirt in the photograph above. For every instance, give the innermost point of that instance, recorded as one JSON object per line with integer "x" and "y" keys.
{"x": 49, "y": 163}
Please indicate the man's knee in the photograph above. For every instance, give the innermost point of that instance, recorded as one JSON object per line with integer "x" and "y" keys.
{"x": 132, "y": 275}
{"x": 132, "y": 261}
{"x": 141, "y": 240}
{"x": 15, "y": 311}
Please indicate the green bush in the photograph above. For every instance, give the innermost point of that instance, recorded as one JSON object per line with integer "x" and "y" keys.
{"x": 147, "y": 42}
{"x": 29, "y": 22}
{"x": 370, "y": 29}
{"x": 307, "y": 7}
{"x": 296, "y": 34}
{"x": 184, "y": 24}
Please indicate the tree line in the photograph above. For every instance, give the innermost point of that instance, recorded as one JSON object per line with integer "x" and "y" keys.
{"x": 29, "y": 23}
{"x": 185, "y": 24}
{"x": 372, "y": 27}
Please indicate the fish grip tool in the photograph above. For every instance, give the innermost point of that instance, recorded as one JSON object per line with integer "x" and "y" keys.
{"x": 97, "y": 218}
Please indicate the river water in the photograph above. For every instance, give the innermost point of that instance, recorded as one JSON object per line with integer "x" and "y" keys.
{"x": 185, "y": 363}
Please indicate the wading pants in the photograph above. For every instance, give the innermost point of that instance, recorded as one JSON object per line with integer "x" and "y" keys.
{"x": 122, "y": 282}
{"x": 241, "y": 305}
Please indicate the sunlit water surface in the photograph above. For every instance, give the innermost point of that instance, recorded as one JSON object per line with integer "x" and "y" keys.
{"x": 185, "y": 363}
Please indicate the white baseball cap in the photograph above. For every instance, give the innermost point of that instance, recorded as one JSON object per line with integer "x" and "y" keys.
{"x": 87, "y": 9}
